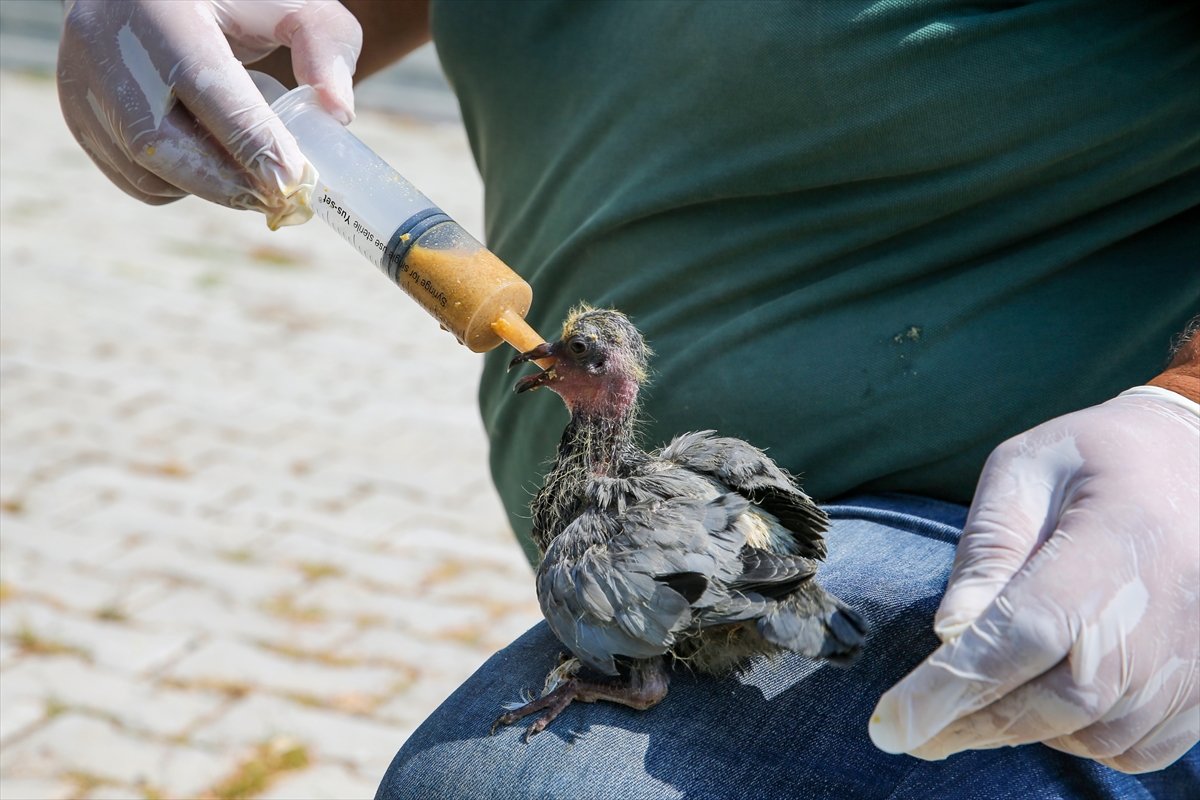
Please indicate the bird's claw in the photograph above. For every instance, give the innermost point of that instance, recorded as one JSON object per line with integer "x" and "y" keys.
{"x": 551, "y": 704}
{"x": 507, "y": 719}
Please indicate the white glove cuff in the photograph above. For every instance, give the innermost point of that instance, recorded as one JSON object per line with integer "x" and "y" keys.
{"x": 1166, "y": 395}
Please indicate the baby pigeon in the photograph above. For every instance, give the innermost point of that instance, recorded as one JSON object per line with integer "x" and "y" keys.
{"x": 704, "y": 550}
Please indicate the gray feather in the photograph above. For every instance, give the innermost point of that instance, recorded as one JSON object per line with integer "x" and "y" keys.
{"x": 816, "y": 624}
{"x": 748, "y": 470}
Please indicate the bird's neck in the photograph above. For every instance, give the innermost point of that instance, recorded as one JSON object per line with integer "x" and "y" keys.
{"x": 591, "y": 447}
{"x": 599, "y": 445}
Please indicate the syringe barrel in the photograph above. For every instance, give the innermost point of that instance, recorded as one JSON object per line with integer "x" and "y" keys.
{"x": 416, "y": 244}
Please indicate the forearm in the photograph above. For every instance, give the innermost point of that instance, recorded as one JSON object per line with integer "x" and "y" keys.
{"x": 1183, "y": 374}
{"x": 391, "y": 30}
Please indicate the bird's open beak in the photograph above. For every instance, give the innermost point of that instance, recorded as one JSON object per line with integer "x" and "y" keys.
{"x": 529, "y": 382}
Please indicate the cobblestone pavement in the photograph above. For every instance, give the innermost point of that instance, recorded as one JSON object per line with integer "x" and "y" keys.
{"x": 248, "y": 539}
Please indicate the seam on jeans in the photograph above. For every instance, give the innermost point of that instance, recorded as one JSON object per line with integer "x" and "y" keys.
{"x": 904, "y": 779}
{"x": 922, "y": 527}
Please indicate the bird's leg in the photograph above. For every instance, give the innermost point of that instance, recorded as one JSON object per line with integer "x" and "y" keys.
{"x": 646, "y": 687}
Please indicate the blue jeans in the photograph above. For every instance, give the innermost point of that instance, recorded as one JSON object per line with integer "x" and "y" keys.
{"x": 789, "y": 728}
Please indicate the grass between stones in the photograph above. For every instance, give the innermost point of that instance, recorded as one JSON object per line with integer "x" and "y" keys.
{"x": 316, "y": 570}
{"x": 254, "y": 775}
{"x": 30, "y": 643}
{"x": 284, "y": 605}
{"x": 111, "y": 613}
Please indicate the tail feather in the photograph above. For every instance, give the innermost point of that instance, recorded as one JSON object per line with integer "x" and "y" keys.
{"x": 815, "y": 624}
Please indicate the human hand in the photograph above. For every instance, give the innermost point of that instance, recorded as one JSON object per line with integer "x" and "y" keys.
{"x": 155, "y": 92}
{"x": 1070, "y": 617}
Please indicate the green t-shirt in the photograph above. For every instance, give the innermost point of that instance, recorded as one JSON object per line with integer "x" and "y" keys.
{"x": 876, "y": 238}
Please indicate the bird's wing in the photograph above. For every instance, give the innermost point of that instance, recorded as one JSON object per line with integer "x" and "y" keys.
{"x": 771, "y": 574}
{"x": 748, "y": 471}
{"x": 626, "y": 584}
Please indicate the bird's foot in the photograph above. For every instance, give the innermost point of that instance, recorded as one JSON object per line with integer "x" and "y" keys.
{"x": 646, "y": 687}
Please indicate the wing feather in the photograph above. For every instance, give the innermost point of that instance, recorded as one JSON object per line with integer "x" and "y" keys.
{"x": 748, "y": 471}
{"x": 630, "y": 594}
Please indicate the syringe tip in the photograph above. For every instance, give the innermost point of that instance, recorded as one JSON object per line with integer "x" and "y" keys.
{"x": 512, "y": 328}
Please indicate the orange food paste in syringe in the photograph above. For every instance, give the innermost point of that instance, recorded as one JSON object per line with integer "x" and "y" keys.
{"x": 473, "y": 294}
{"x": 463, "y": 285}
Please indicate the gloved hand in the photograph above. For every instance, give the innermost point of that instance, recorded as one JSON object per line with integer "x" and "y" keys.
{"x": 1070, "y": 616}
{"x": 154, "y": 92}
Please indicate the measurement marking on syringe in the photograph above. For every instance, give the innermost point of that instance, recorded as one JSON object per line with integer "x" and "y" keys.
{"x": 356, "y": 229}
{"x": 329, "y": 201}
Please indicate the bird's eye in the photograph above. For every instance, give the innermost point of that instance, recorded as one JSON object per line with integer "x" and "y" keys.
{"x": 577, "y": 347}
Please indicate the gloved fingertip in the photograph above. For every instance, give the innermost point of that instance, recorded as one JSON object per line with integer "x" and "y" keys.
{"x": 333, "y": 79}
{"x": 886, "y": 727}
{"x": 339, "y": 91}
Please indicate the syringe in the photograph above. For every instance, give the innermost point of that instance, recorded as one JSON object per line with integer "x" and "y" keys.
{"x": 461, "y": 283}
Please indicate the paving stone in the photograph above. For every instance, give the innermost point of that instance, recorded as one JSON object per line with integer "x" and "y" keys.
{"x": 187, "y": 771}
{"x": 228, "y": 663}
{"x": 115, "y": 793}
{"x": 107, "y": 643}
{"x": 389, "y": 643}
{"x": 250, "y": 582}
{"x": 368, "y": 744}
{"x": 63, "y": 584}
{"x": 15, "y": 563}
{"x": 140, "y": 519}
{"x": 139, "y": 593}
{"x": 434, "y": 536}
{"x": 477, "y": 584}
{"x": 47, "y": 541}
{"x": 20, "y": 713}
{"x": 8, "y": 653}
{"x": 323, "y": 782}
{"x": 380, "y": 568}
{"x": 227, "y": 483}
{"x": 75, "y": 743}
{"x": 203, "y": 611}
{"x": 430, "y": 619}
{"x": 59, "y": 506}
{"x": 23, "y": 789}
{"x": 145, "y": 479}
{"x": 135, "y": 702}
{"x": 377, "y": 513}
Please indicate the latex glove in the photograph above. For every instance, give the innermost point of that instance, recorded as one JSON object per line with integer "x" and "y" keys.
{"x": 155, "y": 93}
{"x": 1071, "y": 615}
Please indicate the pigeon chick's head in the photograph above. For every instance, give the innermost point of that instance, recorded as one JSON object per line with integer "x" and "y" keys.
{"x": 599, "y": 363}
